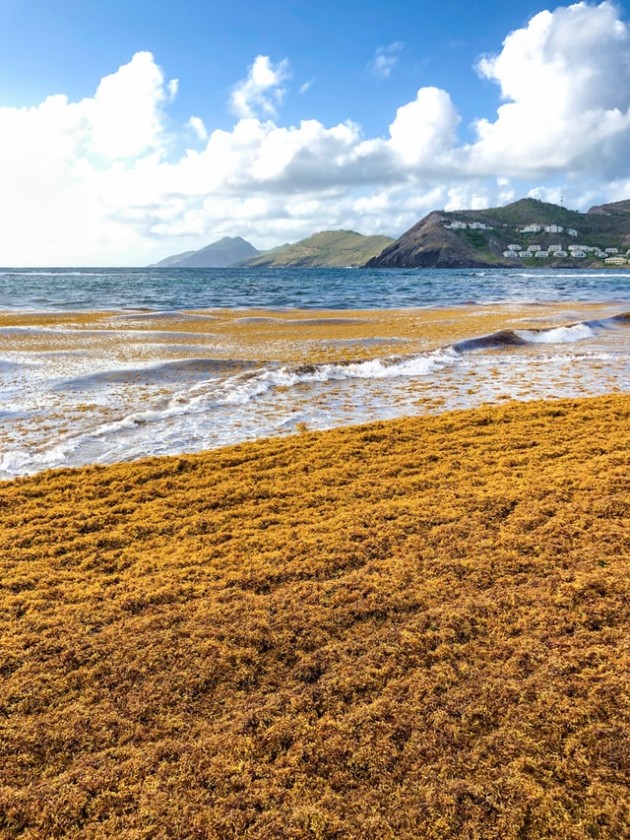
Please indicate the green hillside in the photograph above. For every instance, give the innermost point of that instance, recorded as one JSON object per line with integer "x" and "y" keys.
{"x": 468, "y": 238}
{"x": 326, "y": 249}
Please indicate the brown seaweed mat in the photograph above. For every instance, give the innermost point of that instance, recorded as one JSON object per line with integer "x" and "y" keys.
{"x": 414, "y": 629}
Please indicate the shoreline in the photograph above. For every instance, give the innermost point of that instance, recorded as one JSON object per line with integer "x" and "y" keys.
{"x": 101, "y": 387}
{"x": 373, "y": 631}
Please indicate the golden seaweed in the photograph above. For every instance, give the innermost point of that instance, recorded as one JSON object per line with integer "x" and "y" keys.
{"x": 412, "y": 629}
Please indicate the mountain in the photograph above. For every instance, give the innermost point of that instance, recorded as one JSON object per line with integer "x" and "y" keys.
{"x": 616, "y": 208}
{"x": 327, "y": 249}
{"x": 220, "y": 254}
{"x": 480, "y": 238}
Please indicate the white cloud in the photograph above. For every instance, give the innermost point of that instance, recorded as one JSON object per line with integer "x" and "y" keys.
{"x": 424, "y": 131}
{"x": 385, "y": 59}
{"x": 565, "y": 79}
{"x": 198, "y": 127}
{"x": 96, "y": 181}
{"x": 262, "y": 91}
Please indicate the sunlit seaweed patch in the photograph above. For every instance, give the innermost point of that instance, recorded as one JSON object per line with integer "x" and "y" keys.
{"x": 413, "y": 629}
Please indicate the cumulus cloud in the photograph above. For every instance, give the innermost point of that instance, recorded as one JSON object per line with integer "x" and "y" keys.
{"x": 424, "y": 131}
{"x": 385, "y": 59}
{"x": 262, "y": 91}
{"x": 565, "y": 80}
{"x": 97, "y": 181}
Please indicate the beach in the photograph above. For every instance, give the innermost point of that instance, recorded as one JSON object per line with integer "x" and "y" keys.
{"x": 333, "y": 571}
{"x": 408, "y": 629}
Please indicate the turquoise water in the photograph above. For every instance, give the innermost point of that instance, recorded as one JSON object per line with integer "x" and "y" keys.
{"x": 175, "y": 289}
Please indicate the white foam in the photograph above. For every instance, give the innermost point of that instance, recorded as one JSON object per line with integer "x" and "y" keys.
{"x": 557, "y": 335}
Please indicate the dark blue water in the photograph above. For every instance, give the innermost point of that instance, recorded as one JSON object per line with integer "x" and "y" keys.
{"x": 174, "y": 289}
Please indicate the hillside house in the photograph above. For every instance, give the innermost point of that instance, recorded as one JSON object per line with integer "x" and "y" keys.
{"x": 531, "y": 229}
{"x": 553, "y": 228}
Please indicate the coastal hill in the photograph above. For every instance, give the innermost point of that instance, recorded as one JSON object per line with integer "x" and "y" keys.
{"x": 220, "y": 254}
{"x": 326, "y": 249}
{"x": 541, "y": 233}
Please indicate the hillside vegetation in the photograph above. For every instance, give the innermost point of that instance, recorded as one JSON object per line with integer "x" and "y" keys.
{"x": 431, "y": 243}
{"x": 414, "y": 629}
{"x": 327, "y": 249}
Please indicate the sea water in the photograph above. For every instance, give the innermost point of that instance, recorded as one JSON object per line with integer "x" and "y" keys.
{"x": 99, "y": 365}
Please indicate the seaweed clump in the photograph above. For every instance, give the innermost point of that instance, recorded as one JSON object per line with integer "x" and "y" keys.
{"x": 410, "y": 629}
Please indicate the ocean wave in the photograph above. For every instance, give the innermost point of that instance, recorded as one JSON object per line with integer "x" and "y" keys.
{"x": 154, "y": 373}
{"x": 564, "y": 334}
{"x": 557, "y": 335}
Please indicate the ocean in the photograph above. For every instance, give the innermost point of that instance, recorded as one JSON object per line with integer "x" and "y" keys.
{"x": 103, "y": 365}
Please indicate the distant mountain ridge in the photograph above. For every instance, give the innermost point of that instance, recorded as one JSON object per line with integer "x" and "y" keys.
{"x": 223, "y": 253}
{"x": 484, "y": 238}
{"x": 527, "y": 231}
{"x": 326, "y": 249}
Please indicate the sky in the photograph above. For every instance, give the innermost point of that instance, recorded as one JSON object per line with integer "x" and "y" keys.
{"x": 130, "y": 131}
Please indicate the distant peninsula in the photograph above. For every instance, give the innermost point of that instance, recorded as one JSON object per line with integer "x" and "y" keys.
{"x": 231, "y": 250}
{"x": 327, "y": 249}
{"x": 528, "y": 232}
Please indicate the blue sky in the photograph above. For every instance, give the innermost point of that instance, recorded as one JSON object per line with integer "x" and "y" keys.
{"x": 304, "y": 116}
{"x": 67, "y": 46}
